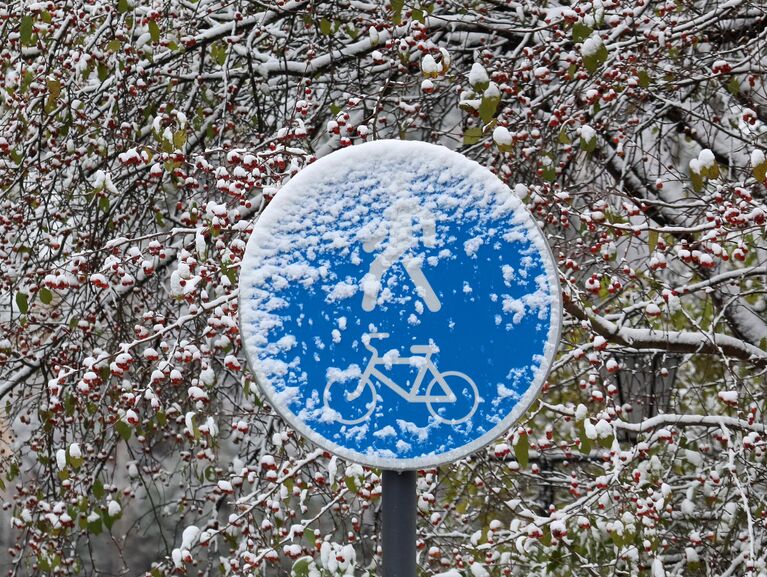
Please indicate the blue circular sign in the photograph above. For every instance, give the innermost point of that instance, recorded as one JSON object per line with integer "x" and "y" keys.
{"x": 399, "y": 306}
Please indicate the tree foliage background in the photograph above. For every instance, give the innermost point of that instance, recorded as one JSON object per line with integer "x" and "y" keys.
{"x": 139, "y": 140}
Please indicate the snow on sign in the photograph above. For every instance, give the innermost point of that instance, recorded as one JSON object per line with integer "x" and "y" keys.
{"x": 399, "y": 306}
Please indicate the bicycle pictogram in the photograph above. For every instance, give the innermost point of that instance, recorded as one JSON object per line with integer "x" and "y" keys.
{"x": 451, "y": 396}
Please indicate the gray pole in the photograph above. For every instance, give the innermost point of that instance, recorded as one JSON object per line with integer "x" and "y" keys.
{"x": 399, "y": 529}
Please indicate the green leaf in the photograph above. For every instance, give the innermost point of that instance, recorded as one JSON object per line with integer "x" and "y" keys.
{"x": 54, "y": 87}
{"x": 351, "y": 31}
{"x": 604, "y": 287}
{"x": 733, "y": 86}
{"x": 230, "y": 274}
{"x": 652, "y": 240}
{"x": 13, "y": 471}
{"x": 98, "y": 489}
{"x": 179, "y": 139}
{"x": 123, "y": 6}
{"x": 103, "y": 71}
{"x": 592, "y": 62}
{"x": 589, "y": 145}
{"x": 644, "y": 78}
{"x": 602, "y": 54}
{"x": 22, "y": 302}
{"x": 104, "y": 203}
{"x": 396, "y": 10}
{"x": 301, "y": 567}
{"x": 95, "y": 527}
{"x": 43, "y": 563}
{"x": 25, "y": 31}
{"x": 549, "y": 173}
{"x": 417, "y": 14}
{"x": 74, "y": 462}
{"x": 218, "y": 53}
{"x": 522, "y": 450}
{"x": 585, "y": 446}
{"x": 114, "y": 45}
{"x": 487, "y": 108}
{"x": 760, "y": 171}
{"x": 606, "y": 442}
{"x": 325, "y": 27}
{"x": 26, "y": 80}
{"x": 697, "y": 181}
{"x": 46, "y": 296}
{"x": 563, "y": 137}
{"x": 351, "y": 484}
{"x": 209, "y": 473}
{"x": 124, "y": 430}
{"x": 154, "y": 31}
{"x": 580, "y": 32}
{"x": 472, "y": 136}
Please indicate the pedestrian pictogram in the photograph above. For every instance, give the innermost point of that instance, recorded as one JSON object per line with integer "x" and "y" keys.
{"x": 403, "y": 237}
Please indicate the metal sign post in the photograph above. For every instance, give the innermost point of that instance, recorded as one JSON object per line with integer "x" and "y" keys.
{"x": 400, "y": 308}
{"x": 399, "y": 523}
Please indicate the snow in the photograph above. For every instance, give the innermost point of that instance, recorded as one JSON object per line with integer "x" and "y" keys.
{"x": 591, "y": 45}
{"x": 588, "y": 133}
{"x": 492, "y": 91}
{"x": 590, "y": 430}
{"x": 478, "y": 570}
{"x": 706, "y": 158}
{"x": 341, "y": 253}
{"x": 449, "y": 573}
{"x": 502, "y": 136}
{"x": 189, "y": 537}
{"x": 478, "y": 75}
{"x": 429, "y": 66}
{"x": 520, "y": 189}
{"x": 74, "y": 451}
{"x": 103, "y": 181}
{"x": 113, "y": 508}
{"x": 604, "y": 429}
{"x": 652, "y": 309}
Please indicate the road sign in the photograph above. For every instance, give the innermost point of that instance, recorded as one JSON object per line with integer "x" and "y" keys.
{"x": 399, "y": 305}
